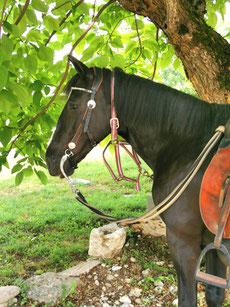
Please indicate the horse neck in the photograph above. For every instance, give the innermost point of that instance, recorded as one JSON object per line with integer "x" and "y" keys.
{"x": 174, "y": 129}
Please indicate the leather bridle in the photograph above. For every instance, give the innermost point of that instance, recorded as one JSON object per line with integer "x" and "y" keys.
{"x": 84, "y": 123}
{"x": 114, "y": 124}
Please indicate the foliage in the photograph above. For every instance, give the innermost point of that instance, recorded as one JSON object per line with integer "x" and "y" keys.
{"x": 34, "y": 34}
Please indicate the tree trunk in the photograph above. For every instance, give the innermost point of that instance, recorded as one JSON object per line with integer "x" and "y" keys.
{"x": 204, "y": 53}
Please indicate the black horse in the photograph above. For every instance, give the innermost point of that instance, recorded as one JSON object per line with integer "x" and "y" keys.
{"x": 168, "y": 129}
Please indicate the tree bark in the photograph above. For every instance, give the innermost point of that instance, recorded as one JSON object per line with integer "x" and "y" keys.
{"x": 204, "y": 53}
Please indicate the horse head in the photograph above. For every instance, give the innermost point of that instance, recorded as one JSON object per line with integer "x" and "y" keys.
{"x": 84, "y": 121}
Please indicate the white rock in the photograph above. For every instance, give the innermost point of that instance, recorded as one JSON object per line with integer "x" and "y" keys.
{"x": 159, "y": 283}
{"x": 160, "y": 263}
{"x": 138, "y": 301}
{"x": 125, "y": 299}
{"x": 135, "y": 292}
{"x": 153, "y": 228}
{"x": 107, "y": 241}
{"x": 132, "y": 259}
{"x": 116, "y": 268}
{"x": 8, "y": 292}
{"x": 81, "y": 268}
{"x": 110, "y": 277}
{"x": 146, "y": 272}
{"x": 48, "y": 287}
{"x": 106, "y": 305}
{"x": 97, "y": 283}
{"x": 125, "y": 305}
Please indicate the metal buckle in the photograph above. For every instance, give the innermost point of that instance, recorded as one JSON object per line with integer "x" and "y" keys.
{"x": 69, "y": 153}
{"x": 117, "y": 122}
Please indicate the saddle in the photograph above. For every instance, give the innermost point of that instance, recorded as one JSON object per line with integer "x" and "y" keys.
{"x": 215, "y": 209}
{"x": 215, "y": 189}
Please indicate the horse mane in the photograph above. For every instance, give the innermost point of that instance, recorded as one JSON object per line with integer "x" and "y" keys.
{"x": 149, "y": 104}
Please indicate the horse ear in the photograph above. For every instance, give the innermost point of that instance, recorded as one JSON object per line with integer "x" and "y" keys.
{"x": 81, "y": 68}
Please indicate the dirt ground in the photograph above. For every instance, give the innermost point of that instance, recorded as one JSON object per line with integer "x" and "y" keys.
{"x": 142, "y": 275}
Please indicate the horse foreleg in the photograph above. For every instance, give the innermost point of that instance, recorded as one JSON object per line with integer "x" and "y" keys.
{"x": 214, "y": 266}
{"x": 185, "y": 252}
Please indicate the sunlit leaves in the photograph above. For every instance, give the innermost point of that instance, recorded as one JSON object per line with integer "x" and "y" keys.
{"x": 18, "y": 178}
{"x": 3, "y": 76}
{"x": 39, "y": 5}
{"x": 42, "y": 176}
{"x": 32, "y": 62}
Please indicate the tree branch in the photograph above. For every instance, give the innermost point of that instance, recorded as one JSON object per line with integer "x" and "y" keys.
{"x": 12, "y": 6}
{"x": 140, "y": 44}
{"x": 1, "y": 21}
{"x": 155, "y": 64}
{"x": 61, "y": 5}
{"x": 62, "y": 21}
{"x": 117, "y": 24}
{"x": 22, "y": 12}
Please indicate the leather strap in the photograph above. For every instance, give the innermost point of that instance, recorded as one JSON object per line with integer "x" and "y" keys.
{"x": 117, "y": 143}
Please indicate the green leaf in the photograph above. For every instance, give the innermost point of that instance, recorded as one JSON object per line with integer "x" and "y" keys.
{"x": 18, "y": 178}
{"x": 117, "y": 42}
{"x": 45, "y": 53}
{"x": 3, "y": 76}
{"x": 37, "y": 96}
{"x": 176, "y": 63}
{"x": 1, "y": 55}
{"x": 16, "y": 168}
{"x": 42, "y": 176}
{"x": 34, "y": 36}
{"x": 22, "y": 94}
{"x": 31, "y": 63}
{"x": 102, "y": 61}
{"x": 140, "y": 25}
{"x": 5, "y": 136}
{"x": 28, "y": 171}
{"x": 212, "y": 20}
{"x": 7, "y": 101}
{"x": 39, "y": 6}
{"x": 31, "y": 16}
{"x": 117, "y": 61}
{"x": 51, "y": 23}
{"x": 132, "y": 44}
{"x": 7, "y": 44}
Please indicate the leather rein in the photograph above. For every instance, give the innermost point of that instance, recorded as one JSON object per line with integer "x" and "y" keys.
{"x": 116, "y": 142}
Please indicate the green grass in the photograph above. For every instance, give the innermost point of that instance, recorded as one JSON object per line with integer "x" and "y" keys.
{"x": 43, "y": 228}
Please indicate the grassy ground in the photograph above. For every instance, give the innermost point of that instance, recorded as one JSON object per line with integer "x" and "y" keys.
{"x": 43, "y": 228}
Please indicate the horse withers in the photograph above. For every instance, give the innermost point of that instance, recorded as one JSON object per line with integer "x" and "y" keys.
{"x": 168, "y": 129}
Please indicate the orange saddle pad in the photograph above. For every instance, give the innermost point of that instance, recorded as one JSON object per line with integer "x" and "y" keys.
{"x": 214, "y": 177}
